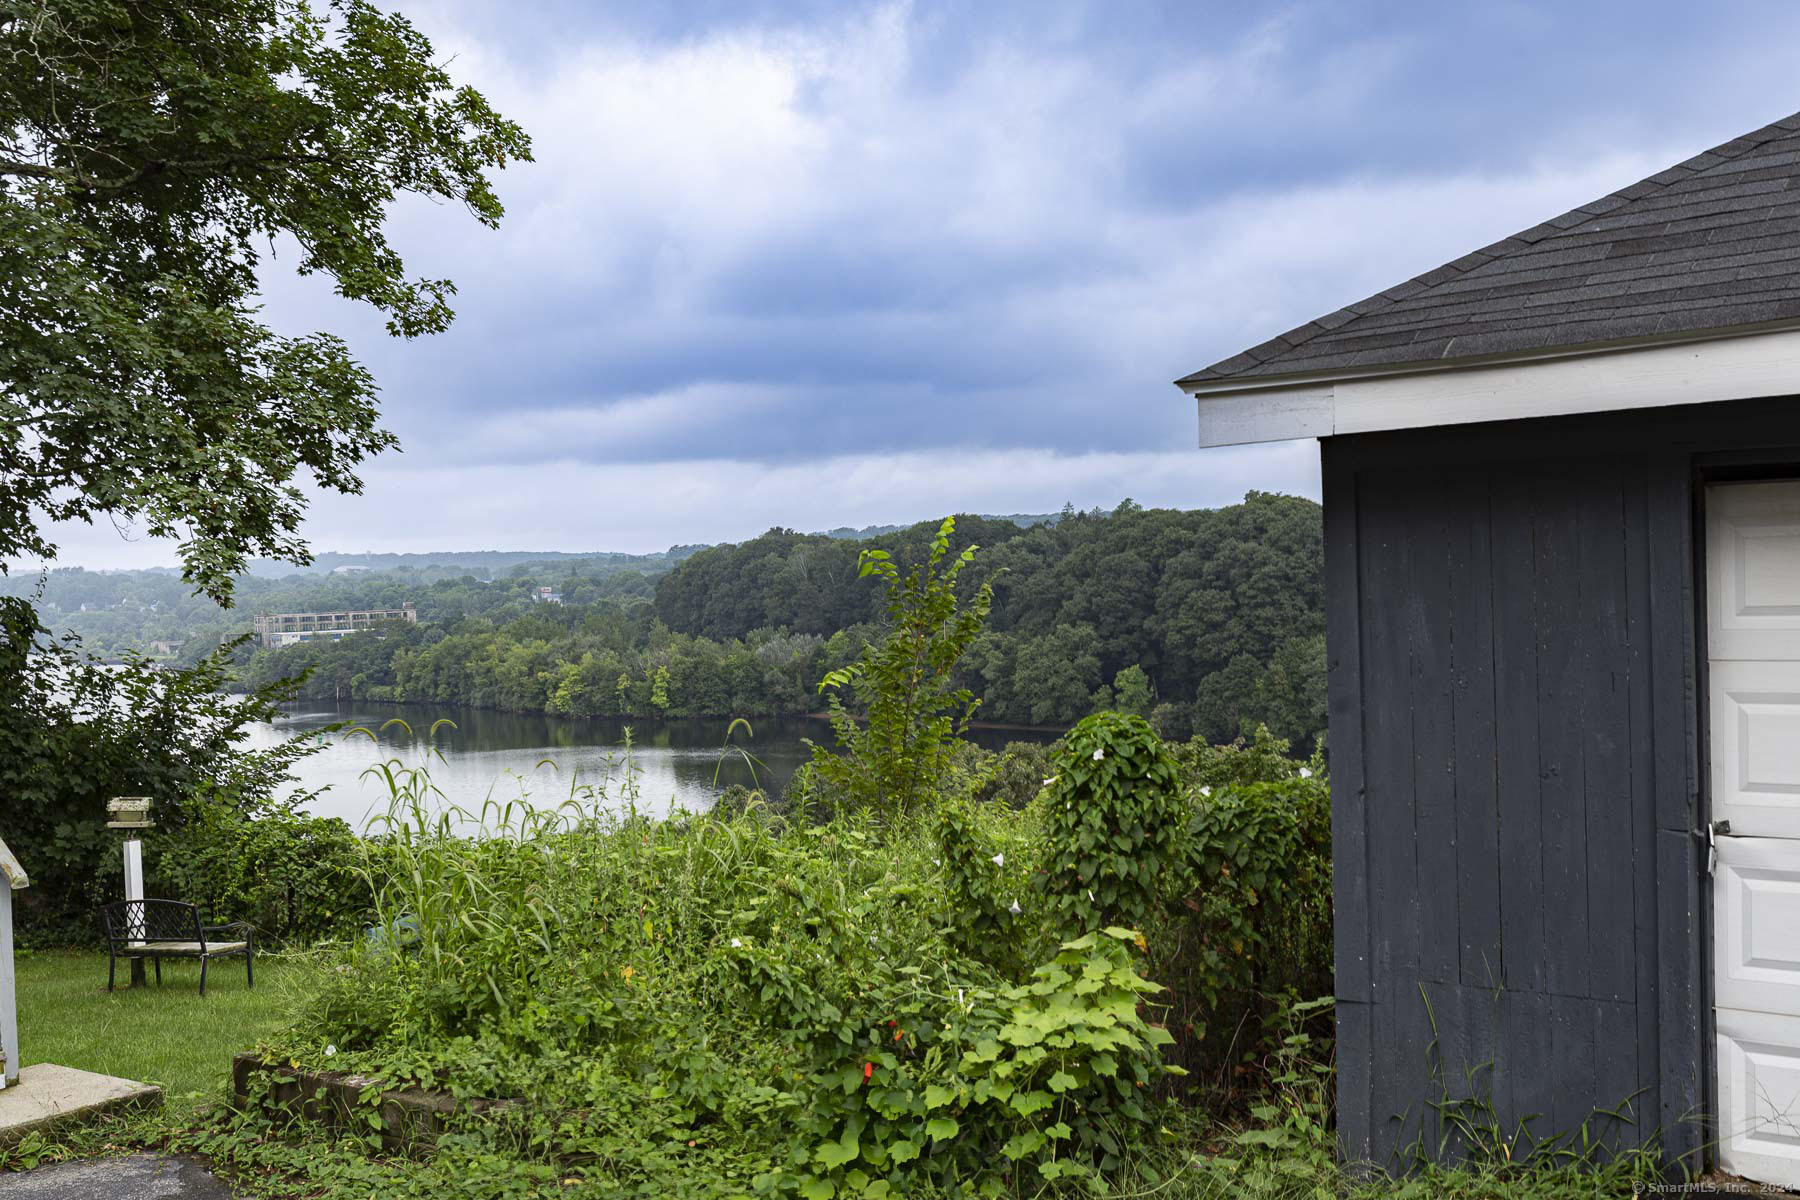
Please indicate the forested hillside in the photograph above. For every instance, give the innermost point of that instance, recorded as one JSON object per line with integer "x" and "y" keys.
{"x": 1205, "y": 620}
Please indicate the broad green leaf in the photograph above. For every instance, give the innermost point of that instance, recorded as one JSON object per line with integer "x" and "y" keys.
{"x": 941, "y": 1128}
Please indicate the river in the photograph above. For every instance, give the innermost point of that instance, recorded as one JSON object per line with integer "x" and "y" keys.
{"x": 497, "y": 755}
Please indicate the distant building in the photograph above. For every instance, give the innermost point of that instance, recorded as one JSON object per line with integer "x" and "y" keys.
{"x": 287, "y": 629}
{"x": 164, "y": 649}
{"x": 349, "y": 569}
{"x": 547, "y": 595}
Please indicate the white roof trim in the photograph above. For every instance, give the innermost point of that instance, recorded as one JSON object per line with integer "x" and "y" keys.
{"x": 1738, "y": 366}
{"x": 11, "y": 873}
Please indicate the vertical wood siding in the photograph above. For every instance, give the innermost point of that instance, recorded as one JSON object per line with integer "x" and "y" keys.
{"x": 1515, "y": 773}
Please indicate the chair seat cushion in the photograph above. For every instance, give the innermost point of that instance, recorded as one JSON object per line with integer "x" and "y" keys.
{"x": 188, "y": 948}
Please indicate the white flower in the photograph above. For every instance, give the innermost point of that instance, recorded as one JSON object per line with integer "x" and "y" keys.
{"x": 1051, "y": 780}
{"x": 737, "y": 943}
{"x": 1091, "y": 899}
{"x": 331, "y": 1052}
{"x": 1305, "y": 773}
{"x": 999, "y": 860}
{"x": 1206, "y": 791}
{"x": 1099, "y": 754}
{"x": 959, "y": 995}
{"x": 936, "y": 863}
{"x": 1015, "y": 910}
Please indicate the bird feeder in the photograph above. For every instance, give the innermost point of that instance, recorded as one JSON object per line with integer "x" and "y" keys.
{"x": 12, "y": 879}
{"x": 128, "y": 812}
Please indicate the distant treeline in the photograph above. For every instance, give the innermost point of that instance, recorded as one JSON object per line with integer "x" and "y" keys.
{"x": 1207, "y": 620}
{"x": 1210, "y": 619}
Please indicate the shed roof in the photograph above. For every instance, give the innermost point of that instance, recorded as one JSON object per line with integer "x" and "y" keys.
{"x": 1709, "y": 244}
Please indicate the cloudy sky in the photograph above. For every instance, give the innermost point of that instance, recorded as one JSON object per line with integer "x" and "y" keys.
{"x": 816, "y": 264}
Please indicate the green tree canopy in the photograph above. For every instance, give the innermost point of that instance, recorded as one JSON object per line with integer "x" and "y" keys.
{"x": 152, "y": 153}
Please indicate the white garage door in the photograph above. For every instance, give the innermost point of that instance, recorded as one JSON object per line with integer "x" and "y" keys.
{"x": 1753, "y": 651}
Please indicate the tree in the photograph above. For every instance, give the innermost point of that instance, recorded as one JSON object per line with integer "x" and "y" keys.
{"x": 1227, "y": 700}
{"x": 151, "y": 154}
{"x": 912, "y": 714}
{"x": 1056, "y": 675}
{"x": 1131, "y": 692}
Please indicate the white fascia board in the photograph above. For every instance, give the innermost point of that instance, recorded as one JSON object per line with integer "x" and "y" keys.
{"x": 1739, "y": 367}
{"x": 1234, "y": 418}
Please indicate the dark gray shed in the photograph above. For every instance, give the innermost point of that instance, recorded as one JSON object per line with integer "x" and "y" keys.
{"x": 1562, "y": 507}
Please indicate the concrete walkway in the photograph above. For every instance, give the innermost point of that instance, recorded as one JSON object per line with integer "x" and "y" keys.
{"x": 133, "y": 1177}
{"x": 48, "y": 1095}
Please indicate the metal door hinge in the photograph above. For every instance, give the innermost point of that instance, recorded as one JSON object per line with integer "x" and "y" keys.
{"x": 1714, "y": 831}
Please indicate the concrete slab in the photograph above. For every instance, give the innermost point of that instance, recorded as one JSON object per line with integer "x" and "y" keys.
{"x": 48, "y": 1095}
{"x": 132, "y": 1177}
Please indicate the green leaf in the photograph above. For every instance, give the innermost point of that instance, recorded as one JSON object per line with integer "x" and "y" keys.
{"x": 1262, "y": 1137}
{"x": 1021, "y": 1144}
{"x": 836, "y": 1154}
{"x": 985, "y": 1051}
{"x": 941, "y": 1128}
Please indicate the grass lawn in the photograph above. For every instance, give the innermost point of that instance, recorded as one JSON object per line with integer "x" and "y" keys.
{"x": 169, "y": 1035}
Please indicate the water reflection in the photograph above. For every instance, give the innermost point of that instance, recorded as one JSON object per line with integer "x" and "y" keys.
{"x": 497, "y": 755}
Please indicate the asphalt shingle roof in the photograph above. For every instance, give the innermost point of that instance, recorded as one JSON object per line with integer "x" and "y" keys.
{"x": 1710, "y": 243}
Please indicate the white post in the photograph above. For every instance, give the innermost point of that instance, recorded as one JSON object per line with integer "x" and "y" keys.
{"x": 9, "y": 1011}
{"x": 134, "y": 890}
{"x": 12, "y": 876}
{"x": 134, "y": 869}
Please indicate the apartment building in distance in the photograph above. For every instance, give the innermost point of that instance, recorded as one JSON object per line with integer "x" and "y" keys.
{"x": 287, "y": 629}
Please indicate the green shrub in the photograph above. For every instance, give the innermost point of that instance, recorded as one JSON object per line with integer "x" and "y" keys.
{"x": 1013, "y": 777}
{"x": 1023, "y": 1085}
{"x": 1113, "y": 823}
{"x": 986, "y": 854}
{"x": 295, "y": 878}
{"x": 1248, "y": 917}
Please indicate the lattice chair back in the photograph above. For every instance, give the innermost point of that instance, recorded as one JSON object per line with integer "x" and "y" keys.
{"x": 132, "y": 921}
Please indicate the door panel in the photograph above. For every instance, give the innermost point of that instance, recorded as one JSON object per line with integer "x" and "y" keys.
{"x": 1756, "y": 746}
{"x": 1753, "y": 577}
{"x": 1756, "y": 941}
{"x": 1759, "y": 1096}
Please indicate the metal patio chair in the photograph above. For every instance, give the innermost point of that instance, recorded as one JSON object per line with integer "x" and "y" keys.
{"x": 159, "y": 929}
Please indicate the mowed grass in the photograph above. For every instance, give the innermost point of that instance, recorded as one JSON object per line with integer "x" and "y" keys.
{"x": 170, "y": 1035}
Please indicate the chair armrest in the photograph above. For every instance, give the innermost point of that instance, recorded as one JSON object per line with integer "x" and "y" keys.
{"x": 229, "y": 927}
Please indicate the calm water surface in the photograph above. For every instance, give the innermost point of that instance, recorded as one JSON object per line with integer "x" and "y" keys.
{"x": 497, "y": 755}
